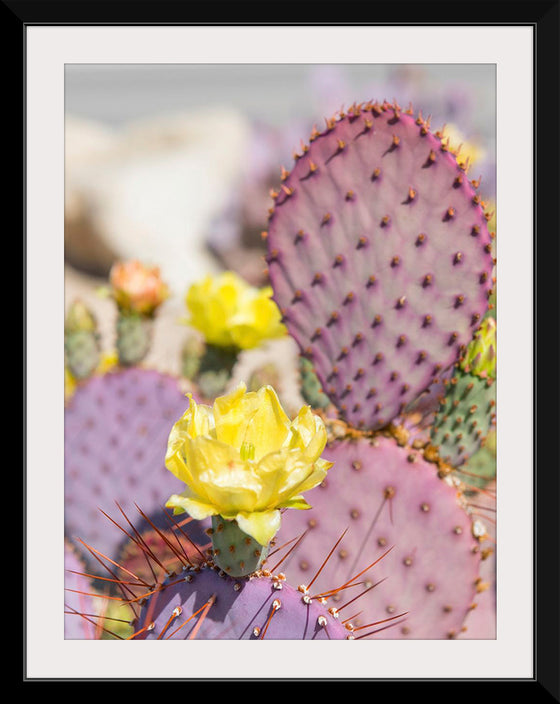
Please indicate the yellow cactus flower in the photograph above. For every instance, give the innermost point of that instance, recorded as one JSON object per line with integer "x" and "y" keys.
{"x": 244, "y": 459}
{"x": 231, "y": 313}
{"x": 137, "y": 288}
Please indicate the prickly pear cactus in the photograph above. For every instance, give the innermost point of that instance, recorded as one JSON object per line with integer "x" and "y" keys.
{"x": 381, "y": 265}
{"x": 198, "y": 599}
{"x": 390, "y": 498}
{"x": 380, "y": 259}
{"x": 116, "y": 430}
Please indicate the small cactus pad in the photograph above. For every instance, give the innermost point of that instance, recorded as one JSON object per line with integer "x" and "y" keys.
{"x": 480, "y": 468}
{"x": 388, "y": 498}
{"x": 82, "y": 350}
{"x": 134, "y": 337}
{"x": 116, "y": 431}
{"x": 380, "y": 258}
{"x": 208, "y": 604}
{"x": 209, "y": 366}
{"x": 311, "y": 389}
{"x": 465, "y": 417}
{"x": 235, "y": 552}
{"x": 82, "y": 341}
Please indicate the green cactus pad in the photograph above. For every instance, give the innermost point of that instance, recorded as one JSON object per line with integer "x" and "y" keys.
{"x": 82, "y": 352}
{"x": 234, "y": 551}
{"x": 191, "y": 354}
{"x": 82, "y": 341}
{"x": 311, "y": 388}
{"x": 218, "y": 358}
{"x": 465, "y": 417}
{"x": 134, "y": 338}
{"x": 479, "y": 470}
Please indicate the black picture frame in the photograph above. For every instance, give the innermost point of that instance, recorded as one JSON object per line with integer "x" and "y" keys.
{"x": 543, "y": 17}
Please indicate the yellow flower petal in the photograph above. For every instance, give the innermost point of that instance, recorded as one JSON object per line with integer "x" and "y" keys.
{"x": 286, "y": 473}
{"x": 262, "y": 525}
{"x": 199, "y": 510}
{"x": 295, "y": 502}
{"x": 308, "y": 433}
{"x": 269, "y": 425}
{"x": 232, "y": 490}
{"x": 258, "y": 318}
{"x": 232, "y": 414}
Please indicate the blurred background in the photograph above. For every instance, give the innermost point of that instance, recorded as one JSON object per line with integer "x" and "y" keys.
{"x": 172, "y": 164}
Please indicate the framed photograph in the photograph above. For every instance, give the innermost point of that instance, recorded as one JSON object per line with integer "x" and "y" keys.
{"x": 366, "y": 372}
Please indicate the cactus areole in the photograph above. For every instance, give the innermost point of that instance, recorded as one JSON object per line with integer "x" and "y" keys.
{"x": 380, "y": 258}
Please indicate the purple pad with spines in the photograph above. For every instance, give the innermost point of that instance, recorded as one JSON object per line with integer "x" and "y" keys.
{"x": 244, "y": 609}
{"x": 385, "y": 500}
{"x": 116, "y": 431}
{"x": 379, "y": 257}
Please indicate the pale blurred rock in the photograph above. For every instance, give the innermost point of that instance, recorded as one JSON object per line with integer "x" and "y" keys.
{"x": 148, "y": 191}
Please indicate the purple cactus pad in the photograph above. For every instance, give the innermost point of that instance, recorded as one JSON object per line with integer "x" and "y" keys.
{"x": 388, "y": 498}
{"x": 116, "y": 431}
{"x": 208, "y": 604}
{"x": 380, "y": 259}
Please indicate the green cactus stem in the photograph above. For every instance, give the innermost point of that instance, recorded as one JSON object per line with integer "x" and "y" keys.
{"x": 134, "y": 337}
{"x": 237, "y": 553}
